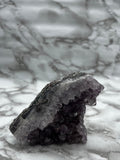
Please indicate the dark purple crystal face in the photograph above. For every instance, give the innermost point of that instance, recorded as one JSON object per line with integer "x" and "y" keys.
{"x": 67, "y": 126}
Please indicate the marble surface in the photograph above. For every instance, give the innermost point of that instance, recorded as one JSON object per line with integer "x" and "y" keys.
{"x": 42, "y": 40}
{"x": 102, "y": 122}
{"x": 48, "y": 38}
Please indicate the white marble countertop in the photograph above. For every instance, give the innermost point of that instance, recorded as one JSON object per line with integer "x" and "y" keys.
{"x": 102, "y": 122}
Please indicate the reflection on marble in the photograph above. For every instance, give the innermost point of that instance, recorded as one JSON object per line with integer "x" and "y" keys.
{"x": 40, "y": 41}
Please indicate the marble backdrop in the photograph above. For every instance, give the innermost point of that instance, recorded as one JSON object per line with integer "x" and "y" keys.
{"x": 41, "y": 40}
{"x": 49, "y": 38}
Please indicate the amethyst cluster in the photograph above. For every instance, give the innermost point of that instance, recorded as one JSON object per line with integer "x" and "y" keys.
{"x": 56, "y": 116}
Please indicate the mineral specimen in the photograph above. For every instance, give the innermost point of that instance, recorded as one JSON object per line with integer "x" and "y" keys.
{"x": 56, "y": 116}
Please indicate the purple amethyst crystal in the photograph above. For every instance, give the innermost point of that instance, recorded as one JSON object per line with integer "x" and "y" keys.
{"x": 56, "y": 116}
